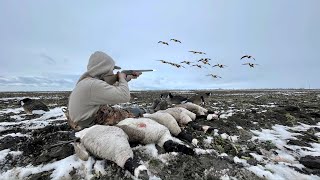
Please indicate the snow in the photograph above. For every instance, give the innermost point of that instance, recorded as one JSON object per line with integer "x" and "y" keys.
{"x": 225, "y": 116}
{"x": 15, "y": 135}
{"x": 11, "y": 110}
{"x": 2, "y": 128}
{"x": 279, "y": 171}
{"x": 257, "y": 156}
{"x": 212, "y": 116}
{"x": 230, "y": 138}
{"x": 61, "y": 169}
{"x": 99, "y": 167}
{"x": 274, "y": 166}
{"x": 223, "y": 154}
{"x": 17, "y": 117}
{"x": 5, "y": 152}
{"x": 277, "y": 166}
{"x": 151, "y": 150}
{"x": 17, "y": 98}
{"x": 200, "y": 151}
{"x": 225, "y": 177}
{"x": 267, "y": 106}
{"x": 224, "y": 136}
{"x": 208, "y": 140}
{"x": 240, "y": 161}
{"x": 40, "y": 122}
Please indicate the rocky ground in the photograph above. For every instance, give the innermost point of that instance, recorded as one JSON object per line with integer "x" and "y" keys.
{"x": 261, "y": 134}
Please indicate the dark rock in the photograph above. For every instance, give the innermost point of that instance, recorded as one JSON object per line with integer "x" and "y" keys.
{"x": 252, "y": 162}
{"x": 314, "y": 115}
{"x": 292, "y": 108}
{"x": 57, "y": 153}
{"x": 10, "y": 142}
{"x": 312, "y": 162}
{"x": 40, "y": 176}
{"x": 310, "y": 171}
{"x": 298, "y": 143}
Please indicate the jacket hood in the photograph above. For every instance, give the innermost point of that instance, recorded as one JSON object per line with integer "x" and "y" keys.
{"x": 99, "y": 63}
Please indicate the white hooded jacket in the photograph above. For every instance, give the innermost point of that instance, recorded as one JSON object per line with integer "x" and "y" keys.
{"x": 91, "y": 92}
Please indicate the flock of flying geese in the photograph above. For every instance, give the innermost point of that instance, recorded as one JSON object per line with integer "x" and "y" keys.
{"x": 203, "y": 62}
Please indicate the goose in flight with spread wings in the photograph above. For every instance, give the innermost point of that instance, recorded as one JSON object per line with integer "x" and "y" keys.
{"x": 186, "y": 62}
{"x": 197, "y": 52}
{"x": 248, "y": 56}
{"x": 175, "y": 40}
{"x": 214, "y": 75}
{"x": 220, "y": 65}
{"x": 250, "y": 64}
{"x": 164, "y": 42}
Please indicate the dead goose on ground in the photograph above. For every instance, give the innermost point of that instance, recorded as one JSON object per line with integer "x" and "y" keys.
{"x": 176, "y": 99}
{"x": 30, "y": 105}
{"x": 199, "y": 98}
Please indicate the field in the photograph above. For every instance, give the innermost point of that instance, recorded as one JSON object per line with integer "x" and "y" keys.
{"x": 261, "y": 134}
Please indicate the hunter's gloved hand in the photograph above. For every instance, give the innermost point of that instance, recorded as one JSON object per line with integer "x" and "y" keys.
{"x": 121, "y": 75}
{"x": 134, "y": 75}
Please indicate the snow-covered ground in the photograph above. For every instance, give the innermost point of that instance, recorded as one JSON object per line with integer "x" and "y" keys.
{"x": 282, "y": 162}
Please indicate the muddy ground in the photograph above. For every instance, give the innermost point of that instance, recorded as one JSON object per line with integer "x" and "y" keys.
{"x": 250, "y": 109}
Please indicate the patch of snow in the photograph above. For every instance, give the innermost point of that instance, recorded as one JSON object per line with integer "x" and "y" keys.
{"x": 267, "y": 106}
{"x": 277, "y": 166}
{"x": 17, "y": 117}
{"x": 236, "y": 159}
{"x": 2, "y": 129}
{"x": 153, "y": 177}
{"x": 257, "y": 157}
{"x": 225, "y": 177}
{"x": 223, "y": 154}
{"x": 40, "y": 122}
{"x": 289, "y": 173}
{"x": 212, "y": 116}
{"x": 215, "y": 132}
{"x": 303, "y": 127}
{"x": 15, "y": 135}
{"x": 208, "y": 140}
{"x": 200, "y": 151}
{"x": 12, "y": 110}
{"x": 40, "y": 112}
{"x": 61, "y": 169}
{"x": 239, "y": 127}
{"x": 278, "y": 135}
{"x": 151, "y": 150}
{"x": 224, "y": 136}
{"x": 263, "y": 173}
{"x": 5, "y": 152}
{"x": 223, "y": 116}
{"x": 17, "y": 98}
{"x": 233, "y": 138}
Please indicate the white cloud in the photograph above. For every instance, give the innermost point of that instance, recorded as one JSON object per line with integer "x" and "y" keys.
{"x": 28, "y": 83}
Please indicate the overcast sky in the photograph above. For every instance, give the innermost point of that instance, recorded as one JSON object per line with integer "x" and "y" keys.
{"x": 45, "y": 45}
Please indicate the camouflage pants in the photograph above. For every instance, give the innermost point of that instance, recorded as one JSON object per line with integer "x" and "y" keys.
{"x": 107, "y": 115}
